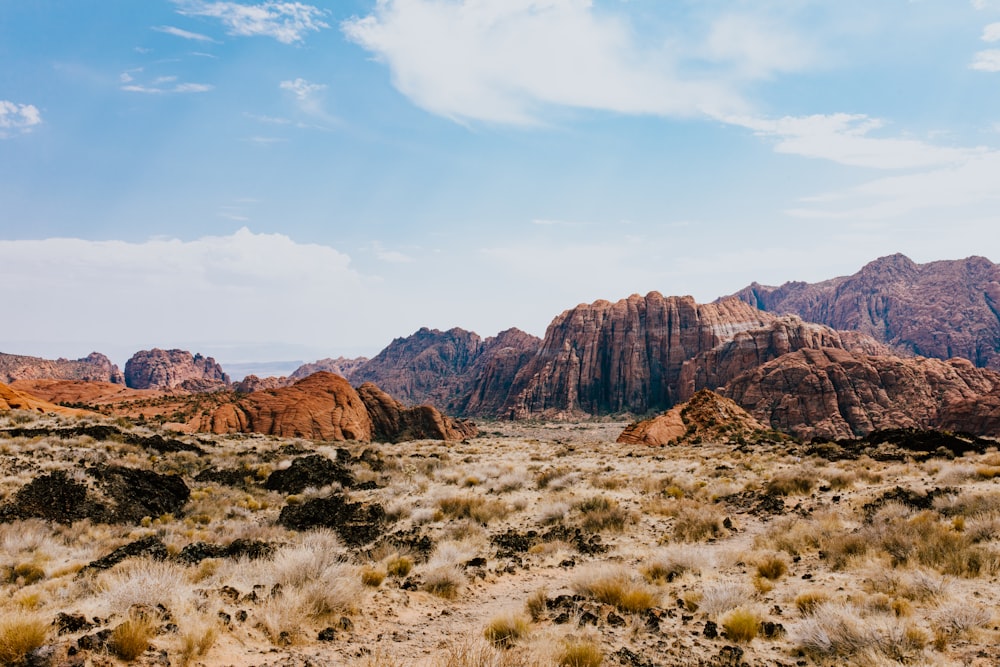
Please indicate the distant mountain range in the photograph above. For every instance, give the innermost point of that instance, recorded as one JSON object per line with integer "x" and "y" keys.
{"x": 835, "y": 358}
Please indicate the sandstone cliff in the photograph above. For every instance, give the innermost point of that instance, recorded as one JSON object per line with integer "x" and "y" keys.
{"x": 940, "y": 309}
{"x": 707, "y": 417}
{"x": 341, "y": 366}
{"x": 393, "y": 422}
{"x": 95, "y": 367}
{"x": 252, "y": 383}
{"x": 174, "y": 369}
{"x": 749, "y": 349}
{"x": 604, "y": 357}
{"x": 834, "y": 393}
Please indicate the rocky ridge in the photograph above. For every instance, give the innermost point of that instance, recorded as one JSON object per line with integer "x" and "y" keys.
{"x": 706, "y": 417}
{"x": 940, "y": 309}
{"x": 174, "y": 369}
{"x": 341, "y": 366}
{"x": 12, "y": 399}
{"x": 95, "y": 367}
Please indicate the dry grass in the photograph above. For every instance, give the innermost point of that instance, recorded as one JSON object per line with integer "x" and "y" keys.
{"x": 20, "y": 634}
{"x": 601, "y": 513}
{"x": 792, "y": 482}
{"x": 696, "y": 522}
{"x": 580, "y": 653}
{"x": 504, "y": 630}
{"x": 131, "y": 638}
{"x": 772, "y": 567}
{"x": 477, "y": 508}
{"x": 741, "y": 624}
{"x": 619, "y": 588}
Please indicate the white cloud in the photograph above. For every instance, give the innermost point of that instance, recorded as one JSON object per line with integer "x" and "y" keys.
{"x": 504, "y": 61}
{"x": 17, "y": 118}
{"x": 301, "y": 88}
{"x": 390, "y": 256}
{"x": 987, "y": 61}
{"x": 237, "y": 288}
{"x": 846, "y": 139}
{"x": 308, "y": 98}
{"x": 991, "y": 33}
{"x": 183, "y": 34}
{"x": 287, "y": 22}
{"x": 157, "y": 85}
{"x": 756, "y": 48}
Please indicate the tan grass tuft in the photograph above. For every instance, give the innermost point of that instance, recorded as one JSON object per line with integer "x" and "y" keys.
{"x": 504, "y": 630}
{"x": 20, "y": 634}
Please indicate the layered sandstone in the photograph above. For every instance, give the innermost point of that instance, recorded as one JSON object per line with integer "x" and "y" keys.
{"x": 941, "y": 309}
{"x": 174, "y": 369}
{"x": 835, "y": 393}
{"x": 341, "y": 366}
{"x": 394, "y": 422}
{"x": 252, "y": 383}
{"x": 95, "y": 367}
{"x": 12, "y": 399}
{"x": 707, "y": 417}
{"x": 749, "y": 349}
{"x": 79, "y": 392}
{"x": 605, "y": 357}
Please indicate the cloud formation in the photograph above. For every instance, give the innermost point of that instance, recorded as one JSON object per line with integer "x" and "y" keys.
{"x": 17, "y": 118}
{"x": 287, "y": 22}
{"x": 504, "y": 62}
{"x": 183, "y": 34}
{"x": 987, "y": 60}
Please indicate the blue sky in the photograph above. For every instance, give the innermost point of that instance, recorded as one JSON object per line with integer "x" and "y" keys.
{"x": 284, "y": 180}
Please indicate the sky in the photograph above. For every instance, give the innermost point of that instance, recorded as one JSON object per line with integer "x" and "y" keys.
{"x": 284, "y": 180}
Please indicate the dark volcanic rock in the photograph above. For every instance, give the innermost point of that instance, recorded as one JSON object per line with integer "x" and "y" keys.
{"x": 95, "y": 367}
{"x": 240, "y": 548}
{"x": 53, "y": 497}
{"x": 138, "y": 493}
{"x": 941, "y": 309}
{"x": 832, "y": 393}
{"x": 147, "y": 547}
{"x": 227, "y": 477}
{"x": 105, "y": 432}
{"x": 356, "y": 523}
{"x": 392, "y": 422}
{"x": 309, "y": 471}
{"x": 170, "y": 369}
{"x": 604, "y": 357}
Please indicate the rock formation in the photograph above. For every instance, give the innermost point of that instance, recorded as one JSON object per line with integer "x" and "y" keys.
{"x": 940, "y": 309}
{"x": 95, "y": 367}
{"x": 604, "y": 357}
{"x": 341, "y": 366}
{"x": 707, "y": 417}
{"x": 252, "y": 383}
{"x": 174, "y": 369}
{"x": 12, "y": 399}
{"x": 324, "y": 406}
{"x": 81, "y": 393}
{"x": 834, "y": 393}
{"x": 749, "y": 349}
{"x": 393, "y": 422}
{"x": 455, "y": 370}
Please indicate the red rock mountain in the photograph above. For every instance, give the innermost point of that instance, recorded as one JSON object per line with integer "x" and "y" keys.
{"x": 174, "y": 369}
{"x": 252, "y": 383}
{"x": 941, "y": 309}
{"x": 341, "y": 366}
{"x": 835, "y": 393}
{"x": 94, "y": 367}
{"x": 446, "y": 368}
{"x": 605, "y": 357}
{"x": 324, "y": 406}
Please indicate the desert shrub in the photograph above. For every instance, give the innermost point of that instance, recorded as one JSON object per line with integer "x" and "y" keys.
{"x": 599, "y": 513}
{"x": 504, "y": 630}
{"x": 20, "y": 634}
{"x": 472, "y": 507}
{"x": 398, "y": 565}
{"x": 832, "y": 630}
{"x": 580, "y": 653}
{"x": 445, "y": 581}
{"x": 741, "y": 624}
{"x": 960, "y": 617}
{"x": 281, "y": 617}
{"x": 807, "y": 601}
{"x": 198, "y": 633}
{"x": 839, "y": 549}
{"x": 792, "y": 482}
{"x": 536, "y": 604}
{"x": 670, "y": 562}
{"x": 338, "y": 590}
{"x": 617, "y": 587}
{"x": 772, "y": 567}
{"x": 543, "y": 478}
{"x": 719, "y": 597}
{"x": 696, "y": 522}
{"x": 372, "y": 576}
{"x": 144, "y": 582}
{"x": 131, "y": 637}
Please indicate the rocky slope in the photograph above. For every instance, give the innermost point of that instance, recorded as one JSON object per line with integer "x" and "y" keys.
{"x": 252, "y": 383}
{"x": 174, "y": 369}
{"x": 451, "y": 370}
{"x": 605, "y": 357}
{"x": 324, "y": 406}
{"x": 12, "y": 399}
{"x": 81, "y": 392}
{"x": 341, "y": 366}
{"x": 835, "y": 393}
{"x": 941, "y": 309}
{"x": 707, "y": 417}
{"x": 749, "y": 349}
{"x": 95, "y": 367}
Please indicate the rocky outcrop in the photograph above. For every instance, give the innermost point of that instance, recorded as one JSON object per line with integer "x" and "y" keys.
{"x": 174, "y": 369}
{"x": 707, "y": 417}
{"x": 747, "y": 350}
{"x": 81, "y": 393}
{"x": 940, "y": 309}
{"x": 834, "y": 393}
{"x": 980, "y": 415}
{"x": 323, "y": 406}
{"x": 455, "y": 370}
{"x": 341, "y": 366}
{"x": 627, "y": 356}
{"x": 12, "y": 399}
{"x": 394, "y": 422}
{"x": 95, "y": 367}
{"x": 252, "y": 383}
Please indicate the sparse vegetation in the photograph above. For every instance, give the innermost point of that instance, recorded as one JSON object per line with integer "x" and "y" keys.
{"x": 504, "y": 630}
{"x": 20, "y": 634}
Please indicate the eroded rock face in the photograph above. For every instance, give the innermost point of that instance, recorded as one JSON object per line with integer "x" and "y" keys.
{"x": 174, "y": 369}
{"x": 747, "y": 350}
{"x": 252, "y": 383}
{"x": 341, "y": 366}
{"x": 393, "y": 422}
{"x": 499, "y": 362}
{"x": 834, "y": 393}
{"x": 707, "y": 417}
{"x": 95, "y": 367}
{"x": 940, "y": 309}
{"x": 323, "y": 406}
{"x": 604, "y": 357}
